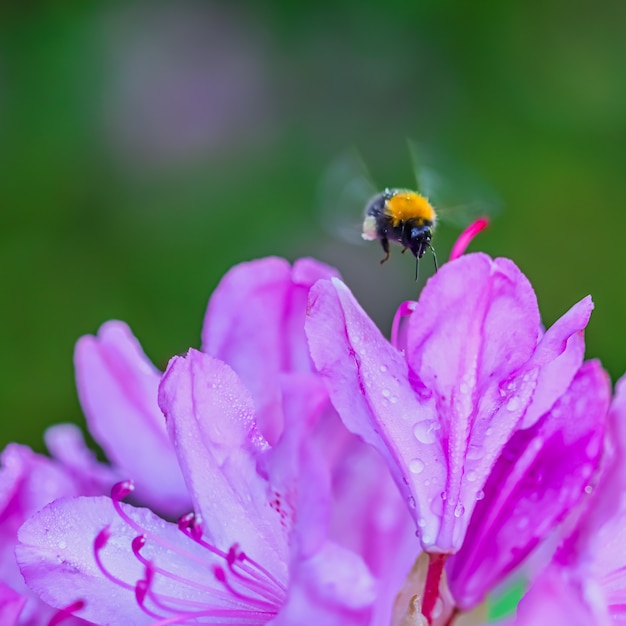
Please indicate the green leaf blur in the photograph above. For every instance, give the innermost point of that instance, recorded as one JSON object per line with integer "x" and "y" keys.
{"x": 145, "y": 147}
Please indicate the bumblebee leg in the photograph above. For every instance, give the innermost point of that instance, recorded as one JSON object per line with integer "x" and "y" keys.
{"x": 417, "y": 268}
{"x": 404, "y": 249}
{"x": 384, "y": 242}
{"x": 434, "y": 258}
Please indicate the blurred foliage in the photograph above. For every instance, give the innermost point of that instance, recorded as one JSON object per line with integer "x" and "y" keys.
{"x": 145, "y": 147}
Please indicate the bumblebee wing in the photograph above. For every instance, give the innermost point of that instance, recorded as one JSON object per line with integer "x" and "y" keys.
{"x": 458, "y": 195}
{"x": 344, "y": 191}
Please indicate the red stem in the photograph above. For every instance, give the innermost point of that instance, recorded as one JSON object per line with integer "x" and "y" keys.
{"x": 431, "y": 588}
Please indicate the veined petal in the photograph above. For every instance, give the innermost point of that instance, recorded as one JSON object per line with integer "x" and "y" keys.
{"x": 558, "y": 356}
{"x": 118, "y": 390}
{"x": 210, "y": 417}
{"x": 476, "y": 323}
{"x": 540, "y": 476}
{"x": 255, "y": 323}
{"x": 368, "y": 382}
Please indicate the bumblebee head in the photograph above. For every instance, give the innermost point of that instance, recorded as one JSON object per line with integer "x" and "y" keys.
{"x": 418, "y": 239}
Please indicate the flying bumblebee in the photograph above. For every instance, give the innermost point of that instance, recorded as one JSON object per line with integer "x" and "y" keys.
{"x": 397, "y": 214}
{"x": 404, "y": 216}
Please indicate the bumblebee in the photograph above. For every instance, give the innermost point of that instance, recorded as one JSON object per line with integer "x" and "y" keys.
{"x": 404, "y": 216}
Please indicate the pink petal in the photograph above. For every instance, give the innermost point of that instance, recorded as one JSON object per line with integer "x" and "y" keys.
{"x": 368, "y": 383}
{"x": 66, "y": 444}
{"x": 118, "y": 389}
{"x": 56, "y": 556}
{"x": 295, "y": 467}
{"x": 210, "y": 417}
{"x": 28, "y": 482}
{"x": 475, "y": 325}
{"x": 11, "y": 605}
{"x": 557, "y": 599}
{"x": 255, "y": 323}
{"x": 333, "y": 588}
{"x": 540, "y": 476}
{"x": 559, "y": 354}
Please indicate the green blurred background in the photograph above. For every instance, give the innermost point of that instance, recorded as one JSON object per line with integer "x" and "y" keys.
{"x": 146, "y": 147}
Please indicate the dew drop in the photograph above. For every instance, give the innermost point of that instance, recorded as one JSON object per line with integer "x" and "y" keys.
{"x": 471, "y": 476}
{"x": 426, "y": 431}
{"x": 383, "y": 368}
{"x": 417, "y": 466}
{"x": 411, "y": 501}
{"x": 459, "y": 510}
{"x": 393, "y": 399}
{"x": 386, "y": 393}
{"x": 480, "y": 495}
{"x": 62, "y": 545}
{"x": 523, "y": 523}
{"x": 421, "y": 522}
{"x": 444, "y": 495}
{"x": 514, "y": 404}
{"x": 588, "y": 489}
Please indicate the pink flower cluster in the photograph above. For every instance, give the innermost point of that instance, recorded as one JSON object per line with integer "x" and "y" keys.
{"x": 301, "y": 469}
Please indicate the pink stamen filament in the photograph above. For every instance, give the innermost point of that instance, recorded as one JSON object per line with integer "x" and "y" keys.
{"x": 152, "y": 569}
{"x": 465, "y": 238}
{"x": 68, "y": 611}
{"x": 250, "y": 567}
{"x": 265, "y": 593}
{"x": 431, "y": 587}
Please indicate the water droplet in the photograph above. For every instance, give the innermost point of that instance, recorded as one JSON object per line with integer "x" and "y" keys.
{"x": 588, "y": 489}
{"x": 393, "y": 399}
{"x": 426, "y": 431}
{"x": 386, "y": 393}
{"x": 459, "y": 510}
{"x": 421, "y": 522}
{"x": 523, "y": 522}
{"x": 471, "y": 476}
{"x": 514, "y": 404}
{"x": 62, "y": 545}
{"x": 411, "y": 501}
{"x": 444, "y": 495}
{"x": 383, "y": 368}
{"x": 417, "y": 466}
{"x": 488, "y": 431}
{"x": 480, "y": 495}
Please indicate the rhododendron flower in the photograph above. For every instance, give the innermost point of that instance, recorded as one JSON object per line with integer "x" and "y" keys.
{"x": 586, "y": 581}
{"x": 259, "y": 462}
{"x": 130, "y": 566}
{"x": 470, "y": 366}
